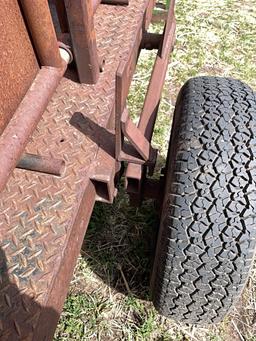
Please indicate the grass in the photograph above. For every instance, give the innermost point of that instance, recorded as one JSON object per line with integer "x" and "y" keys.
{"x": 109, "y": 293}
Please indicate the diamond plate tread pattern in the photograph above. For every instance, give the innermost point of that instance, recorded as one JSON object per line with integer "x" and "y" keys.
{"x": 37, "y": 211}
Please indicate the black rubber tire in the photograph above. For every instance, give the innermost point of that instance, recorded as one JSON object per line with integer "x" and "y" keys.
{"x": 206, "y": 239}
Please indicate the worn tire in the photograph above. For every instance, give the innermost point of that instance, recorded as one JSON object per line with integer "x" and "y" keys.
{"x": 206, "y": 239}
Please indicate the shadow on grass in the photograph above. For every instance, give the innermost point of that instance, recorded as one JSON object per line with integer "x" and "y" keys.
{"x": 119, "y": 245}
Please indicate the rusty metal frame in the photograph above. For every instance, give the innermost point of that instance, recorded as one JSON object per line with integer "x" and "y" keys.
{"x": 53, "y": 212}
{"x": 16, "y": 135}
{"x": 139, "y": 152}
{"x": 136, "y": 174}
{"x": 39, "y": 21}
{"x": 25, "y": 119}
{"x": 83, "y": 36}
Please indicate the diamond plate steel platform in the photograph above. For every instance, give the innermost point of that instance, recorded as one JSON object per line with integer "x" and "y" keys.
{"x": 43, "y": 218}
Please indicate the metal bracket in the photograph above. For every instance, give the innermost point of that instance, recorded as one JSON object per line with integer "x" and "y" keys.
{"x": 135, "y": 136}
{"x": 104, "y": 176}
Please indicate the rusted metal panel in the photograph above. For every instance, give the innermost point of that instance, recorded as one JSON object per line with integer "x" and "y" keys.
{"x": 57, "y": 293}
{"x": 81, "y": 24}
{"x": 18, "y": 64}
{"x": 25, "y": 119}
{"x": 43, "y": 218}
{"x": 39, "y": 21}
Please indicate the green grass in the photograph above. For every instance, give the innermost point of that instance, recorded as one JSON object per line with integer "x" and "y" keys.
{"x": 109, "y": 293}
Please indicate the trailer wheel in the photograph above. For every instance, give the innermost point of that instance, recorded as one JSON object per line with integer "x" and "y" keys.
{"x": 206, "y": 239}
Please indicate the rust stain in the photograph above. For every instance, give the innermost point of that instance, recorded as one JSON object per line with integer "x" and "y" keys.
{"x": 18, "y": 64}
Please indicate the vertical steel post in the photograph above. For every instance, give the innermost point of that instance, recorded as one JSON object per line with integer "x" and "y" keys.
{"x": 80, "y": 19}
{"x": 39, "y": 21}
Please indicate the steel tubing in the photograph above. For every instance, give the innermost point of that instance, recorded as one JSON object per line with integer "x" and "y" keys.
{"x": 40, "y": 25}
{"x": 42, "y": 164}
{"x": 25, "y": 119}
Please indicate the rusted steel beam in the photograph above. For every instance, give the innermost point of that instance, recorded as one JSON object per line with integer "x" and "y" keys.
{"x": 103, "y": 176}
{"x": 62, "y": 15}
{"x": 134, "y": 173}
{"x": 130, "y": 154}
{"x": 135, "y": 136}
{"x": 40, "y": 25}
{"x": 42, "y": 164}
{"x": 123, "y": 80}
{"x": 80, "y": 19}
{"x": 148, "y": 14}
{"x": 25, "y": 119}
{"x": 150, "y": 108}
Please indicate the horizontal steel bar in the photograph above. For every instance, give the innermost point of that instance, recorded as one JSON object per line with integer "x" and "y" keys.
{"x": 25, "y": 119}
{"x": 42, "y": 164}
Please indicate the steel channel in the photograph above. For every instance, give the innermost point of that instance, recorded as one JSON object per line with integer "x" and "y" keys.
{"x": 25, "y": 119}
{"x": 40, "y": 25}
{"x": 42, "y": 164}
